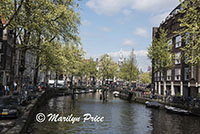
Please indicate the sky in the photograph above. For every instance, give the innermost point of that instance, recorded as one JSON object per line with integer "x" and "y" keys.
{"x": 114, "y": 26}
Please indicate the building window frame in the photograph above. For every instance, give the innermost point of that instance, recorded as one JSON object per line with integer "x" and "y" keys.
{"x": 186, "y": 74}
{"x": 177, "y": 74}
{"x": 158, "y": 76}
{"x": 187, "y": 37}
{"x": 178, "y": 58}
{"x": 169, "y": 75}
{"x": 178, "y": 40}
{"x": 161, "y": 76}
{"x": 155, "y": 76}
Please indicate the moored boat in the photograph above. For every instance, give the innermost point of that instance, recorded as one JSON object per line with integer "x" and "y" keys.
{"x": 116, "y": 94}
{"x": 177, "y": 110}
{"x": 153, "y": 104}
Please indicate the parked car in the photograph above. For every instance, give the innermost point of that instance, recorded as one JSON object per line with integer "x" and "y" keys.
{"x": 60, "y": 83}
{"x": 9, "y": 106}
{"x": 51, "y": 83}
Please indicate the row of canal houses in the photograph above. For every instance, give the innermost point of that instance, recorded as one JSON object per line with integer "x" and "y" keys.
{"x": 10, "y": 62}
{"x": 182, "y": 79}
{"x": 10, "y": 58}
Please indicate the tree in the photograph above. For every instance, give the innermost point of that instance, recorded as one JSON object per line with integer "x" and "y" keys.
{"x": 190, "y": 30}
{"x": 74, "y": 54}
{"x": 91, "y": 70}
{"x": 129, "y": 70}
{"x": 52, "y": 59}
{"x": 160, "y": 53}
{"x": 145, "y": 78}
{"x": 107, "y": 68}
{"x": 35, "y": 22}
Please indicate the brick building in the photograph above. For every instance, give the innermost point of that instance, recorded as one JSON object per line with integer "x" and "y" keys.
{"x": 6, "y": 53}
{"x": 182, "y": 78}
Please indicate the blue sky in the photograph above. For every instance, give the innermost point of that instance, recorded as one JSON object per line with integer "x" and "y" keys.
{"x": 111, "y": 26}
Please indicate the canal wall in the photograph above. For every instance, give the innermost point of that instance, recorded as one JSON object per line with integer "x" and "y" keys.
{"x": 29, "y": 112}
{"x": 140, "y": 99}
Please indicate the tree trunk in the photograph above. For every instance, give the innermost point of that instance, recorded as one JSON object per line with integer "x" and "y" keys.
{"x": 12, "y": 76}
{"x": 21, "y": 70}
{"x": 71, "y": 86}
{"x": 164, "y": 83}
{"x": 46, "y": 77}
{"x": 36, "y": 71}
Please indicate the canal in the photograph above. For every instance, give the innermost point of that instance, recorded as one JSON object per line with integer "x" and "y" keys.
{"x": 120, "y": 117}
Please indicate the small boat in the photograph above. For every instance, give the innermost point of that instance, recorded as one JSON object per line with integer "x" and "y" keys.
{"x": 116, "y": 94}
{"x": 177, "y": 110}
{"x": 153, "y": 104}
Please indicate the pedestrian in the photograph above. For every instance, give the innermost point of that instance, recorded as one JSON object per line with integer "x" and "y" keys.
{"x": 7, "y": 90}
{"x": 15, "y": 86}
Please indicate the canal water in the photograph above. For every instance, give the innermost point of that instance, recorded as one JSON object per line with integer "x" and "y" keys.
{"x": 120, "y": 117}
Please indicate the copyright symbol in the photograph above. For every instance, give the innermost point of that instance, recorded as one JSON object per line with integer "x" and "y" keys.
{"x": 40, "y": 117}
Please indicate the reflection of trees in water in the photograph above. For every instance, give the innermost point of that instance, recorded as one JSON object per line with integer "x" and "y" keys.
{"x": 120, "y": 117}
{"x": 167, "y": 123}
{"x": 126, "y": 118}
{"x": 63, "y": 106}
{"x": 142, "y": 124}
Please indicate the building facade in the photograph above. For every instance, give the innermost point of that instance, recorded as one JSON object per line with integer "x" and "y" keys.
{"x": 10, "y": 56}
{"x": 182, "y": 79}
{"x": 6, "y": 53}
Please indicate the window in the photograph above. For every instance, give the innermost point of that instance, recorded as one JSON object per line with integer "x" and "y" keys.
{"x": 178, "y": 58}
{"x": 186, "y": 38}
{"x": 177, "y": 74}
{"x": 161, "y": 76}
{"x": 186, "y": 73}
{"x": 169, "y": 75}
{"x": 155, "y": 77}
{"x": 5, "y": 34}
{"x": 170, "y": 42}
{"x": 193, "y": 74}
{"x": 186, "y": 59}
{"x": 158, "y": 76}
{"x": 178, "y": 41}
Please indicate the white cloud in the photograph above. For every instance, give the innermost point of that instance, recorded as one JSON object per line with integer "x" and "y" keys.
{"x": 138, "y": 53}
{"x": 157, "y": 19}
{"x": 141, "y": 56}
{"x": 86, "y": 23}
{"x": 127, "y": 12}
{"x": 105, "y": 29}
{"x": 128, "y": 43}
{"x": 154, "y": 5}
{"x": 109, "y": 7}
{"x": 141, "y": 32}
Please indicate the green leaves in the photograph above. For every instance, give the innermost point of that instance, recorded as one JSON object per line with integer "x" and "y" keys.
{"x": 129, "y": 70}
{"x": 145, "y": 78}
{"x": 160, "y": 52}
{"x": 74, "y": 54}
{"x": 44, "y": 27}
{"x": 190, "y": 24}
{"x": 90, "y": 67}
{"x": 107, "y": 67}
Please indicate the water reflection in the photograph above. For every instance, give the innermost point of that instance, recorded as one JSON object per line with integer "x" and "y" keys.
{"x": 120, "y": 116}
